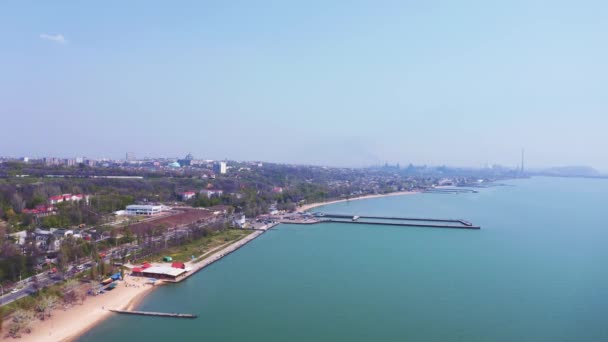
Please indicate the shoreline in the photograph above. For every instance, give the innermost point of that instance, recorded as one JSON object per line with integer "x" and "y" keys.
{"x": 307, "y": 207}
{"x": 72, "y": 323}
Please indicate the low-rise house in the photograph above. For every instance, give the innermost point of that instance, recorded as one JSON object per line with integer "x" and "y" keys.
{"x": 61, "y": 233}
{"x": 19, "y": 237}
{"x": 68, "y": 198}
{"x": 240, "y": 222}
{"x": 46, "y": 239}
{"x": 211, "y": 193}
{"x": 186, "y": 195}
{"x": 41, "y": 210}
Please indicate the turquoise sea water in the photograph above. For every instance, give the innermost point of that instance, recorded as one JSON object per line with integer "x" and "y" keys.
{"x": 536, "y": 271}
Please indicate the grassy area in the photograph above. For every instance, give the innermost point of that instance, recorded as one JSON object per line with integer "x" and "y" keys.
{"x": 184, "y": 253}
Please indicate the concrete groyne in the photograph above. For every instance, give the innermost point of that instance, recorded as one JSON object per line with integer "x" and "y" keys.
{"x": 155, "y": 314}
{"x": 385, "y": 221}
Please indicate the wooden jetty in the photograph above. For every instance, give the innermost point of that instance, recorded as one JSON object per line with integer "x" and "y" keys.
{"x": 155, "y": 314}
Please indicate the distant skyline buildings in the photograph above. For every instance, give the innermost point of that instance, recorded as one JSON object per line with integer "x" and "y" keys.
{"x": 449, "y": 83}
{"x": 522, "y": 161}
{"x": 221, "y": 166}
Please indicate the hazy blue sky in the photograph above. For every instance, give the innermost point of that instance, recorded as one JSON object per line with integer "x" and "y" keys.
{"x": 327, "y": 82}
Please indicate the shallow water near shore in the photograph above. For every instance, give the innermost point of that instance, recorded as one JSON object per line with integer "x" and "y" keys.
{"x": 536, "y": 271}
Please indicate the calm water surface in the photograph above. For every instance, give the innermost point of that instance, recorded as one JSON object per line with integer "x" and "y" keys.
{"x": 536, "y": 271}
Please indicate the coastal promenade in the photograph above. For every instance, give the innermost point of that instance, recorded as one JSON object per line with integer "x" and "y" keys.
{"x": 193, "y": 267}
{"x": 68, "y": 324}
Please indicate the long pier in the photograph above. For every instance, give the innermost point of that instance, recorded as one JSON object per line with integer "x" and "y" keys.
{"x": 400, "y": 224}
{"x": 397, "y": 221}
{"x": 449, "y": 191}
{"x": 463, "y": 222}
{"x": 155, "y": 314}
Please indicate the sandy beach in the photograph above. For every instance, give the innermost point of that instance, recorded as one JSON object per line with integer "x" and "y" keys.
{"x": 306, "y": 207}
{"x": 67, "y": 325}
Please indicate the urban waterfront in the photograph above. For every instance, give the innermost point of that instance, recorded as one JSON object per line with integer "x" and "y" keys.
{"x": 534, "y": 272}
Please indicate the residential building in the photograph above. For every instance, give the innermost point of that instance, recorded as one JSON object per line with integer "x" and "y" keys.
{"x": 240, "y": 222}
{"x": 186, "y": 195}
{"x": 221, "y": 167}
{"x": 19, "y": 237}
{"x": 46, "y": 239}
{"x": 68, "y": 198}
{"x": 211, "y": 193}
{"x": 40, "y": 210}
{"x": 51, "y": 161}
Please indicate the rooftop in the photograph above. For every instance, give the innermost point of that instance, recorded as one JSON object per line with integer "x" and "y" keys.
{"x": 168, "y": 270}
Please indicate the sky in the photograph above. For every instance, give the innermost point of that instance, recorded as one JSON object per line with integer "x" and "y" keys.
{"x": 341, "y": 83}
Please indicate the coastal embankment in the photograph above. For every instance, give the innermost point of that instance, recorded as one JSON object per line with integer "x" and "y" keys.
{"x": 67, "y": 324}
{"x": 307, "y": 207}
{"x": 196, "y": 266}
{"x": 70, "y": 323}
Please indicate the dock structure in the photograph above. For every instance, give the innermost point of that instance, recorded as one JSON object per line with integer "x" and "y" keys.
{"x": 155, "y": 314}
{"x": 401, "y": 224}
{"x": 387, "y": 221}
{"x": 449, "y": 191}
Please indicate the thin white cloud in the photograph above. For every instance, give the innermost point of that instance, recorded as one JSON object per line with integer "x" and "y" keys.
{"x": 57, "y": 38}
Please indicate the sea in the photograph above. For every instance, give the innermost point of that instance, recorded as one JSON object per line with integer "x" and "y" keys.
{"x": 537, "y": 270}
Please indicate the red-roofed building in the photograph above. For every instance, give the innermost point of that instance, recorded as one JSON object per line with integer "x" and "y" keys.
{"x": 55, "y": 199}
{"x": 40, "y": 210}
{"x": 186, "y": 195}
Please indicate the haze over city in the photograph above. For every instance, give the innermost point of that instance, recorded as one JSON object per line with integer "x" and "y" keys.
{"x": 340, "y": 83}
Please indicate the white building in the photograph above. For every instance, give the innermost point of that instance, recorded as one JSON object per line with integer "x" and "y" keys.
{"x": 211, "y": 193}
{"x": 221, "y": 167}
{"x": 240, "y": 222}
{"x": 69, "y": 198}
{"x": 146, "y": 210}
{"x": 187, "y": 195}
{"x": 19, "y": 237}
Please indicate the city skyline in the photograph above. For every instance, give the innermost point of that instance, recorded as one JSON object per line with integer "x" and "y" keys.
{"x": 340, "y": 84}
